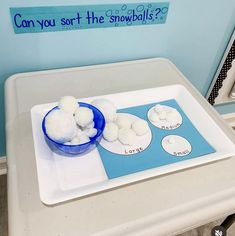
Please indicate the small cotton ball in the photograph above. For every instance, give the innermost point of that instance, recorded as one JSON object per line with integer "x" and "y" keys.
{"x": 68, "y": 104}
{"x": 171, "y": 140}
{"x": 123, "y": 121}
{"x": 140, "y": 127}
{"x": 83, "y": 139}
{"x": 127, "y": 136}
{"x": 153, "y": 116}
{"x": 110, "y": 132}
{"x": 84, "y": 116}
{"x": 60, "y": 126}
{"x": 158, "y": 108}
{"x": 91, "y": 132}
{"x": 107, "y": 108}
{"x": 91, "y": 125}
{"x": 162, "y": 115}
{"x": 75, "y": 141}
{"x": 172, "y": 116}
{"x": 80, "y": 140}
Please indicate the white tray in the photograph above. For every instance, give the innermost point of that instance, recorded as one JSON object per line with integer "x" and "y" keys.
{"x": 61, "y": 178}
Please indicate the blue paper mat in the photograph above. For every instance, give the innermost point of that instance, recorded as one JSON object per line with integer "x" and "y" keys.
{"x": 154, "y": 156}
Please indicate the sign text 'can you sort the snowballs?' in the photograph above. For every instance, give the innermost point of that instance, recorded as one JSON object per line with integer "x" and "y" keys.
{"x": 63, "y": 18}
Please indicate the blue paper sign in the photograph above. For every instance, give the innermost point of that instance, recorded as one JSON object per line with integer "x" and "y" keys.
{"x": 62, "y": 18}
{"x": 154, "y": 155}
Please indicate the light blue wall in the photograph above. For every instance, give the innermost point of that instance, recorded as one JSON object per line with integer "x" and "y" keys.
{"x": 194, "y": 38}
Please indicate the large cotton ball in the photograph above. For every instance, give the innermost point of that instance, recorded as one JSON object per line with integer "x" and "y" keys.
{"x": 91, "y": 132}
{"x": 84, "y": 116}
{"x": 60, "y": 126}
{"x": 140, "y": 127}
{"x": 107, "y": 108}
{"x": 68, "y": 103}
{"x": 123, "y": 121}
{"x": 127, "y": 136}
{"x": 80, "y": 140}
{"x": 110, "y": 132}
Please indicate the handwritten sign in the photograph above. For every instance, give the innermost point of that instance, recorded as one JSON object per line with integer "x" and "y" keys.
{"x": 62, "y": 18}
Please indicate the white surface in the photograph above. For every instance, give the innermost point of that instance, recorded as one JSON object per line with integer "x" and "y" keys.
{"x": 50, "y": 191}
{"x": 164, "y": 205}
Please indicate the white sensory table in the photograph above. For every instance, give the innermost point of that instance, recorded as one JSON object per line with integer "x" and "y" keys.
{"x": 164, "y": 205}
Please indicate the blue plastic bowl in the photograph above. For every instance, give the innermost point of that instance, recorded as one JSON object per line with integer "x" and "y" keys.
{"x": 71, "y": 150}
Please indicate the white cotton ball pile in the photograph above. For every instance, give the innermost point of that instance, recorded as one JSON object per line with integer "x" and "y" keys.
{"x": 125, "y": 129}
{"x": 84, "y": 116}
{"x": 110, "y": 132}
{"x": 68, "y": 104}
{"x": 60, "y": 126}
{"x": 107, "y": 108}
{"x": 127, "y": 136}
{"x": 140, "y": 127}
{"x": 70, "y": 124}
{"x": 123, "y": 121}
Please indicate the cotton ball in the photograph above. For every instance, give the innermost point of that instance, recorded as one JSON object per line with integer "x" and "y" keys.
{"x": 60, "y": 126}
{"x": 162, "y": 115}
{"x": 75, "y": 141}
{"x": 83, "y": 139}
{"x": 140, "y": 127}
{"x": 171, "y": 140}
{"x": 127, "y": 136}
{"x": 107, "y": 108}
{"x": 91, "y": 125}
{"x": 110, "y": 132}
{"x": 153, "y": 116}
{"x": 84, "y": 116}
{"x": 172, "y": 116}
{"x": 79, "y": 132}
{"x": 123, "y": 121}
{"x": 158, "y": 108}
{"x": 91, "y": 132}
{"x": 68, "y": 104}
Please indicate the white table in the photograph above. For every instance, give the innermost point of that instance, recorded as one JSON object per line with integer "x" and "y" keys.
{"x": 165, "y": 205}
